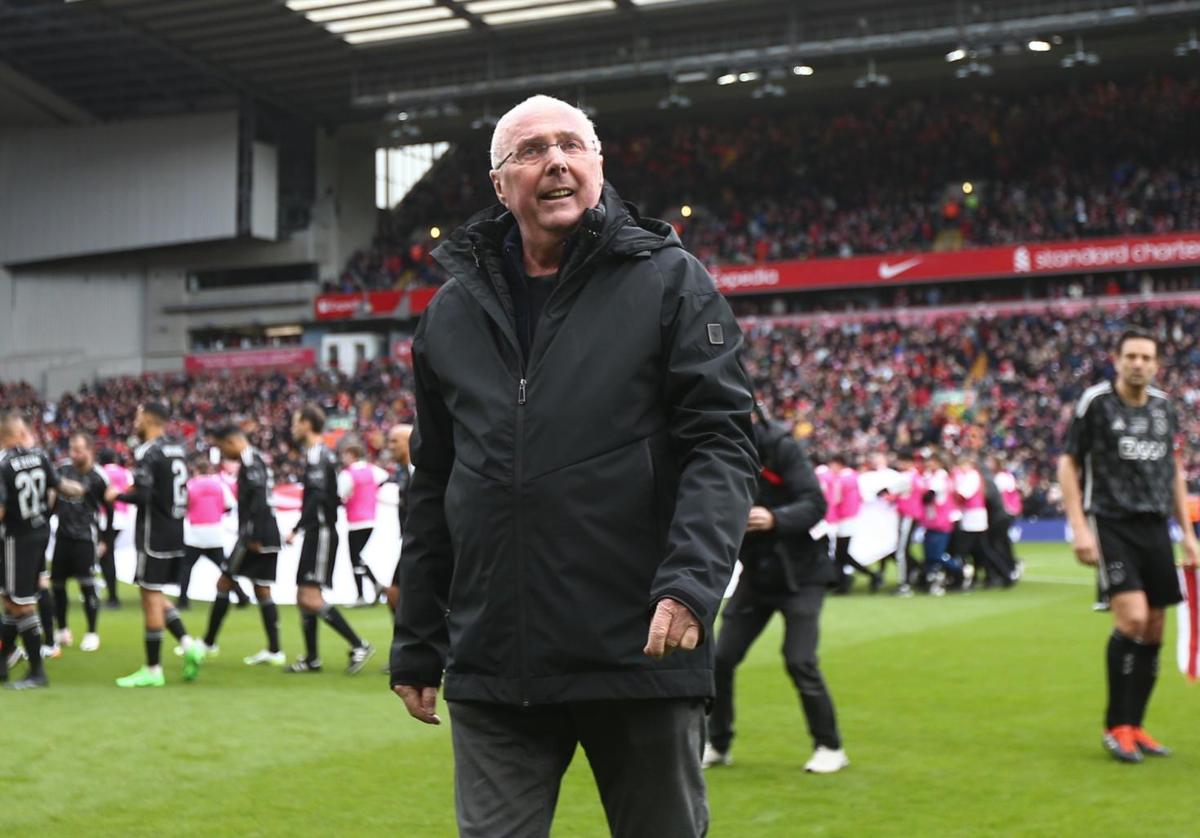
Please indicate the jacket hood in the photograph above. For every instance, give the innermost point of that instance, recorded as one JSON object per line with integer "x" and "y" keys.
{"x": 614, "y": 224}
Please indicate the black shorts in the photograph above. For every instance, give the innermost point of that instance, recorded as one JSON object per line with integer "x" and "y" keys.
{"x": 1136, "y": 554}
{"x": 316, "y": 557}
{"x": 259, "y": 568}
{"x": 74, "y": 558}
{"x": 24, "y": 560}
{"x": 154, "y": 574}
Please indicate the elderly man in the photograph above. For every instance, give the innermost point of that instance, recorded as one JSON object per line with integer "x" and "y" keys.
{"x": 584, "y": 472}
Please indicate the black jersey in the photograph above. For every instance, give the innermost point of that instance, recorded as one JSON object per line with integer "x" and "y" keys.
{"x": 26, "y": 479}
{"x": 1126, "y": 452}
{"x": 256, "y": 518}
{"x": 320, "y": 505}
{"x": 79, "y": 518}
{"x": 160, "y": 477}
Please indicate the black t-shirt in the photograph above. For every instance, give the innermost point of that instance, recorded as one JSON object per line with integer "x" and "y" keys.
{"x": 319, "y": 506}
{"x": 26, "y": 478}
{"x": 256, "y": 518}
{"x": 78, "y": 518}
{"x": 160, "y": 477}
{"x": 1126, "y": 453}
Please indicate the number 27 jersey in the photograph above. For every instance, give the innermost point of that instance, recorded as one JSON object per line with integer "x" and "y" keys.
{"x": 26, "y": 478}
{"x": 160, "y": 477}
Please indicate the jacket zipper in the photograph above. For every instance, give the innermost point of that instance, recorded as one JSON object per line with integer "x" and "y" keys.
{"x": 518, "y": 481}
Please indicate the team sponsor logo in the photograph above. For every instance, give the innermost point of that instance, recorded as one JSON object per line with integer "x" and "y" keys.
{"x": 887, "y": 271}
{"x": 1139, "y": 425}
{"x": 1132, "y": 448}
{"x": 731, "y": 279}
{"x": 1021, "y": 260}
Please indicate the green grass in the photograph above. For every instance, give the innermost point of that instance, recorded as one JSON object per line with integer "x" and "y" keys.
{"x": 969, "y": 715}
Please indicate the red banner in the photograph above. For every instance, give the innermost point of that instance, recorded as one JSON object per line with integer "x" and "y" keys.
{"x": 1088, "y": 256}
{"x": 251, "y": 359}
{"x": 373, "y": 304}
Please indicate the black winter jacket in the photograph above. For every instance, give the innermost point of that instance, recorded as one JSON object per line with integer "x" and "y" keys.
{"x": 556, "y": 501}
{"x": 786, "y": 558}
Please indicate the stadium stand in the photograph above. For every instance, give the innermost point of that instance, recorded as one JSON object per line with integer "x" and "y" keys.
{"x": 1067, "y": 163}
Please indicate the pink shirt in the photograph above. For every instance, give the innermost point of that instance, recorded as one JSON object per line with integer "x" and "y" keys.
{"x": 849, "y": 500}
{"x": 910, "y": 505}
{"x": 939, "y": 515}
{"x": 1010, "y": 495}
{"x": 119, "y": 478}
{"x": 827, "y": 480}
{"x": 208, "y": 498}
{"x": 359, "y": 490}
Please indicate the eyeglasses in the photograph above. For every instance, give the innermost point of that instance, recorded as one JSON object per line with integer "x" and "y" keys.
{"x": 532, "y": 153}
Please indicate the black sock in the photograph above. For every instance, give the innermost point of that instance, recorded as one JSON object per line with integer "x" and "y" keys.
{"x": 215, "y": 617}
{"x": 1122, "y": 657}
{"x": 338, "y": 623}
{"x": 91, "y": 604}
{"x": 30, "y": 629}
{"x": 367, "y": 572}
{"x": 153, "y": 647}
{"x": 60, "y": 605}
{"x": 45, "y": 610}
{"x": 270, "y": 618}
{"x": 358, "y": 581}
{"x": 1145, "y": 676}
{"x": 174, "y": 623}
{"x": 8, "y": 635}
{"x": 308, "y": 623}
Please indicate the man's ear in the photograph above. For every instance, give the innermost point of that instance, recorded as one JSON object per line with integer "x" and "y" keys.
{"x": 496, "y": 185}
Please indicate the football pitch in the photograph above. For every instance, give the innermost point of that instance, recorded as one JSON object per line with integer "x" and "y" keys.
{"x": 974, "y": 714}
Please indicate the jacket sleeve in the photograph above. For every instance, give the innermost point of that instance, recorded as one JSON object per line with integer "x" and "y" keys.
{"x": 807, "y": 507}
{"x": 708, "y": 404}
{"x": 420, "y": 638}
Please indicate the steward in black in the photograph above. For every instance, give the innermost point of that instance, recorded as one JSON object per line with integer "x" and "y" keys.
{"x": 782, "y": 571}
{"x": 560, "y": 494}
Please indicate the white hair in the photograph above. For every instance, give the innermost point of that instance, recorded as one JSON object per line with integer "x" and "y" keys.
{"x": 502, "y": 135}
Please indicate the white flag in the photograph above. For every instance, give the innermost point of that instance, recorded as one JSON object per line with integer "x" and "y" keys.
{"x": 1188, "y": 645}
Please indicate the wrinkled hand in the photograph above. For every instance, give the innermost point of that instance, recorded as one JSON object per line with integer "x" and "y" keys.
{"x": 1191, "y": 554}
{"x": 673, "y": 627}
{"x": 761, "y": 520}
{"x": 421, "y": 702}
{"x": 1086, "y": 549}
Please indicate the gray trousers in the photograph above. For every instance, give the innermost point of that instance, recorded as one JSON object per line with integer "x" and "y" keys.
{"x": 645, "y": 757}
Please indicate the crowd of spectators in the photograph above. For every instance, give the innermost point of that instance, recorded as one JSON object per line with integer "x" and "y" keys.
{"x": 1063, "y": 163}
{"x": 368, "y": 403}
{"x": 1002, "y": 383}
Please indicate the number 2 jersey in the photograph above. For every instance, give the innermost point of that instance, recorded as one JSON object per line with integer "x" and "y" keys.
{"x": 1126, "y": 453}
{"x": 160, "y": 477}
{"x": 26, "y": 478}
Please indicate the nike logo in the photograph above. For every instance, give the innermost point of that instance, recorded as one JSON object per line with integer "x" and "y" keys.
{"x": 887, "y": 271}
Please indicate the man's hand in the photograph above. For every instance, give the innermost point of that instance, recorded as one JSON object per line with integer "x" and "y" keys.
{"x": 254, "y": 546}
{"x": 421, "y": 702}
{"x": 291, "y": 537}
{"x": 1085, "y": 546}
{"x": 1191, "y": 553}
{"x": 111, "y": 494}
{"x": 673, "y": 627}
{"x": 761, "y": 520}
{"x": 101, "y": 549}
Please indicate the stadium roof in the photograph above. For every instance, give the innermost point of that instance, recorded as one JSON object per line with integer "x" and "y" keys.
{"x": 453, "y": 62}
